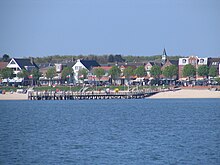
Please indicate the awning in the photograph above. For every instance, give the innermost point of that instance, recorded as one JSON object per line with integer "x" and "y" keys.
{"x": 11, "y": 80}
{"x": 19, "y": 80}
{"x": 5, "y": 80}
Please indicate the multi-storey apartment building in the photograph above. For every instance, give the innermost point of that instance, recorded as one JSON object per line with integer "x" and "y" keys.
{"x": 193, "y": 60}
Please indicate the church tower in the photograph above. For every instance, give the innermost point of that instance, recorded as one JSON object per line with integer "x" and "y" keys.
{"x": 164, "y": 57}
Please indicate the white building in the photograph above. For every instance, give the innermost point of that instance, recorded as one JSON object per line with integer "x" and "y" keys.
{"x": 83, "y": 64}
{"x": 17, "y": 64}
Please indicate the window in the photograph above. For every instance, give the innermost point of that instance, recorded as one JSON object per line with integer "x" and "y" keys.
{"x": 78, "y": 68}
{"x": 193, "y": 62}
{"x": 184, "y": 60}
{"x": 214, "y": 63}
{"x": 201, "y": 60}
{"x": 12, "y": 62}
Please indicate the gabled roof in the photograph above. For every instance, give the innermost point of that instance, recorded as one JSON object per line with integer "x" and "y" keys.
{"x": 170, "y": 62}
{"x": 22, "y": 62}
{"x": 126, "y": 66}
{"x": 212, "y": 61}
{"x": 154, "y": 63}
{"x": 106, "y": 68}
{"x": 89, "y": 63}
{"x": 174, "y": 62}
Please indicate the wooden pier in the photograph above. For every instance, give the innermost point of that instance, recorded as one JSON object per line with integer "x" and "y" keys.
{"x": 87, "y": 96}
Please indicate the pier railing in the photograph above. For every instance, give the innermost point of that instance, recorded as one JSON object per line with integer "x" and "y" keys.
{"x": 70, "y": 95}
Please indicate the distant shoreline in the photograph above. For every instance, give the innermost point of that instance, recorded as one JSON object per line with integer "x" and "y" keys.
{"x": 183, "y": 93}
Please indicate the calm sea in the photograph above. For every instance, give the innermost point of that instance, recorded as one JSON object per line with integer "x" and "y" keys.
{"x": 145, "y": 131}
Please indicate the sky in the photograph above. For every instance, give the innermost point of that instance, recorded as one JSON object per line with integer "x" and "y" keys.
{"x": 129, "y": 27}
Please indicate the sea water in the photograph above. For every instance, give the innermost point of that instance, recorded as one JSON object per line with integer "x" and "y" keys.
{"x": 145, "y": 131}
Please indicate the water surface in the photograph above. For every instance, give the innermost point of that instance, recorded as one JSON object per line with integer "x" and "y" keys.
{"x": 145, "y": 131}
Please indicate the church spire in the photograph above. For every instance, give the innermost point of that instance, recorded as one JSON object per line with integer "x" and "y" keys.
{"x": 164, "y": 52}
{"x": 164, "y": 57}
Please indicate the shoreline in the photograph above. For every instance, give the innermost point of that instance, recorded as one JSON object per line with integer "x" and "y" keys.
{"x": 186, "y": 93}
{"x": 182, "y": 93}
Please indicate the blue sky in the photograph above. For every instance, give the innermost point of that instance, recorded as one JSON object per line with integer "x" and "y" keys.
{"x": 127, "y": 27}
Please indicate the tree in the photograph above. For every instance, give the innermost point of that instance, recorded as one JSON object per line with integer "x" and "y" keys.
{"x": 23, "y": 74}
{"x": 213, "y": 71}
{"x": 118, "y": 58}
{"x": 67, "y": 72}
{"x": 170, "y": 71}
{"x": 140, "y": 71}
{"x": 114, "y": 72}
{"x": 82, "y": 74}
{"x": 203, "y": 70}
{"x": 99, "y": 72}
{"x": 128, "y": 72}
{"x": 155, "y": 71}
{"x": 5, "y": 57}
{"x": 6, "y": 73}
{"x": 51, "y": 72}
{"x": 35, "y": 75}
{"x": 111, "y": 58}
{"x": 217, "y": 79}
{"x": 189, "y": 71}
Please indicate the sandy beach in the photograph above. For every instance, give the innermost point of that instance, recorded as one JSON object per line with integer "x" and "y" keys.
{"x": 13, "y": 96}
{"x": 183, "y": 93}
{"x": 188, "y": 93}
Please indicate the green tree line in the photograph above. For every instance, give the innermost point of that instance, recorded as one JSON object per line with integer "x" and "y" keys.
{"x": 102, "y": 59}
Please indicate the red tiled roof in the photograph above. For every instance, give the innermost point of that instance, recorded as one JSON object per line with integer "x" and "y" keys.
{"x": 106, "y": 68}
{"x": 126, "y": 66}
{"x": 3, "y": 65}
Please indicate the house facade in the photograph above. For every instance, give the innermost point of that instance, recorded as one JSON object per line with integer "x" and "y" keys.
{"x": 193, "y": 60}
{"x": 169, "y": 63}
{"x": 17, "y": 64}
{"x": 56, "y": 80}
{"x": 148, "y": 67}
{"x": 214, "y": 62}
{"x": 104, "y": 78}
{"x": 83, "y": 64}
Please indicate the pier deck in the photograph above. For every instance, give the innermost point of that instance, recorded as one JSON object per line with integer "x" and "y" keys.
{"x": 87, "y": 96}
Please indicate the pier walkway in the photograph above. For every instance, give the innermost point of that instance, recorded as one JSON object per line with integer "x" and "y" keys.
{"x": 36, "y": 95}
